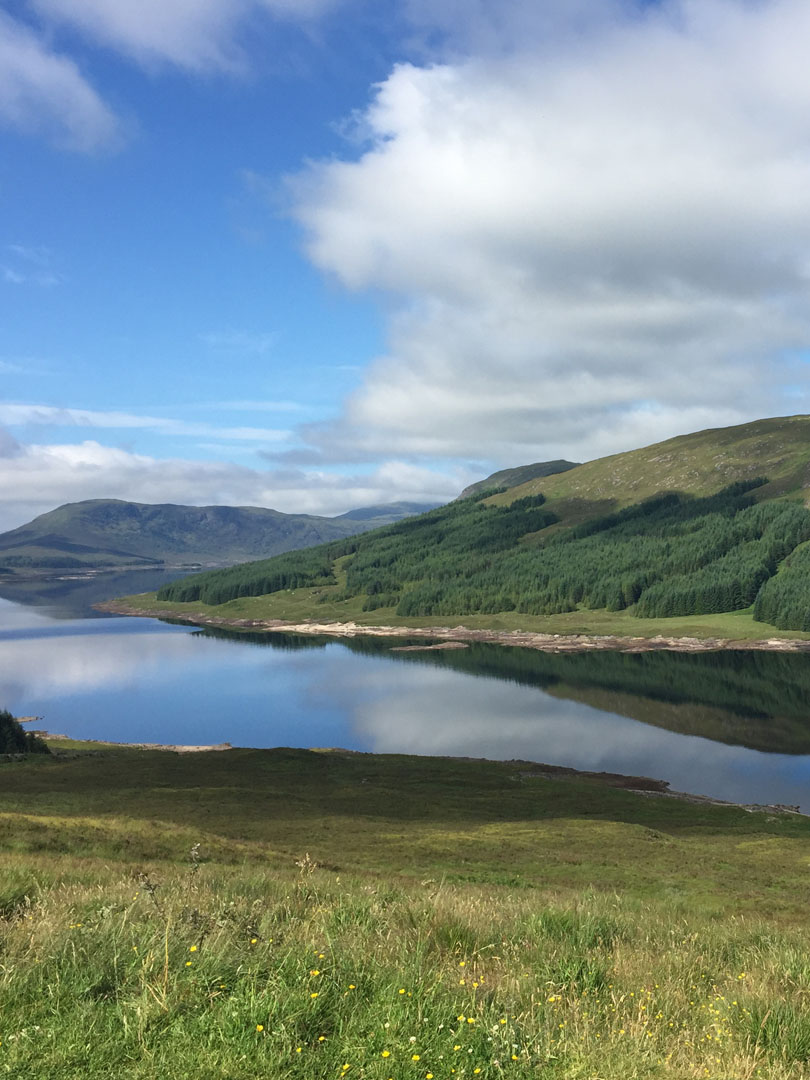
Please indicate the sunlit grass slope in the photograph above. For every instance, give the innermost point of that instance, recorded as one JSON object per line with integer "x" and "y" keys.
{"x": 701, "y": 463}
{"x": 389, "y": 917}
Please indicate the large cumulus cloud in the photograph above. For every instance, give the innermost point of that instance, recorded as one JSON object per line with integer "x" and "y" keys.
{"x": 589, "y": 247}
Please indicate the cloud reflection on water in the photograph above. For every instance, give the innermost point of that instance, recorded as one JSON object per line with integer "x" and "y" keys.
{"x": 450, "y": 713}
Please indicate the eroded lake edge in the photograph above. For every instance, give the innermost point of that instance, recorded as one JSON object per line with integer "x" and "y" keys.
{"x": 461, "y": 634}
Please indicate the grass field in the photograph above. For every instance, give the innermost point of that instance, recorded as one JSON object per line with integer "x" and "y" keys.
{"x": 325, "y": 914}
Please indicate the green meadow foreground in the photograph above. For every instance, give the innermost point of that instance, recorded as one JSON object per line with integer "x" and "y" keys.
{"x": 292, "y": 913}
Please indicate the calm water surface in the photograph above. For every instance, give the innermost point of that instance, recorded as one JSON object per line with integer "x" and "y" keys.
{"x": 732, "y": 725}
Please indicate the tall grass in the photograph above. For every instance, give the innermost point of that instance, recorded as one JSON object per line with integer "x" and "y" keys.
{"x": 244, "y": 973}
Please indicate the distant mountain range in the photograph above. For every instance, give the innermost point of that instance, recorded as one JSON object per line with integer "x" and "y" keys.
{"x": 112, "y": 533}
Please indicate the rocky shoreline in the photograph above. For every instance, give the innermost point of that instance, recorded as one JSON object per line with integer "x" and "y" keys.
{"x": 455, "y": 636}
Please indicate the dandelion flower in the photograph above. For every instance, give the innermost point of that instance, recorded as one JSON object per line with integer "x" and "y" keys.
{"x": 193, "y": 948}
{"x": 385, "y": 1053}
{"x": 314, "y": 995}
{"x": 260, "y": 1027}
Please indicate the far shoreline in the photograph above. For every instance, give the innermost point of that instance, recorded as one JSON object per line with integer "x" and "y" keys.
{"x": 458, "y": 636}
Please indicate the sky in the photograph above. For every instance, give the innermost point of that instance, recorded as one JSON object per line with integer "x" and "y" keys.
{"x": 320, "y": 254}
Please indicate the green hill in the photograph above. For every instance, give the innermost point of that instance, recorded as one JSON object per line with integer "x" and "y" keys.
{"x": 112, "y": 532}
{"x": 698, "y": 525}
{"x": 509, "y": 478}
{"x": 701, "y": 463}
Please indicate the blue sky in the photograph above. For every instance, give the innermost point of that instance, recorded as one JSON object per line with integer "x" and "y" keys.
{"x": 324, "y": 253}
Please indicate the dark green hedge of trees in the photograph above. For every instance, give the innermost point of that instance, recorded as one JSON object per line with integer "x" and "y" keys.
{"x": 455, "y": 530}
{"x": 784, "y": 600}
{"x": 14, "y": 739}
{"x": 292, "y": 570}
{"x": 670, "y": 555}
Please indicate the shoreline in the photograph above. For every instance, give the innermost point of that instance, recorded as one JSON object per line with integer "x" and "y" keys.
{"x": 637, "y": 785}
{"x": 458, "y": 636}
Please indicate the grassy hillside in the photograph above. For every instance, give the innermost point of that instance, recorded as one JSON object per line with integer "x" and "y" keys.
{"x": 110, "y": 532}
{"x": 293, "y": 913}
{"x": 509, "y": 478}
{"x": 707, "y": 548}
{"x": 701, "y": 463}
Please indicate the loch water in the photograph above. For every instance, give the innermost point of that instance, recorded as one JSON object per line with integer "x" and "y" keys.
{"x": 732, "y": 725}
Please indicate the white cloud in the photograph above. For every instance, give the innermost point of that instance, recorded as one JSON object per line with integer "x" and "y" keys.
{"x": 35, "y": 478}
{"x": 41, "y": 90}
{"x": 193, "y": 34}
{"x": 18, "y": 415}
{"x": 596, "y": 239}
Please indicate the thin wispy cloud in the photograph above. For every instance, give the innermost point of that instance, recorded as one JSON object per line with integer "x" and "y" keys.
{"x": 54, "y": 416}
{"x": 45, "y": 91}
{"x": 36, "y": 254}
{"x": 198, "y": 35}
{"x": 30, "y": 266}
{"x": 10, "y": 367}
{"x": 251, "y": 405}
{"x": 241, "y": 341}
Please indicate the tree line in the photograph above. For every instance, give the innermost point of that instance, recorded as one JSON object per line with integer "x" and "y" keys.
{"x": 673, "y": 554}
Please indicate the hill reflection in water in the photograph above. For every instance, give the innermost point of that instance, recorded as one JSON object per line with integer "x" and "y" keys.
{"x": 760, "y": 700}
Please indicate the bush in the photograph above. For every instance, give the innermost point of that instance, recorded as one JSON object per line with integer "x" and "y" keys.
{"x": 14, "y": 740}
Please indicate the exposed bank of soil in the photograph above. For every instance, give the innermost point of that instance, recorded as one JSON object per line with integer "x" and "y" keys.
{"x": 176, "y": 748}
{"x": 453, "y": 637}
